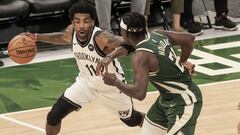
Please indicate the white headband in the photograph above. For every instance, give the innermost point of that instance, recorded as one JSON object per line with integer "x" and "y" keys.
{"x": 124, "y": 26}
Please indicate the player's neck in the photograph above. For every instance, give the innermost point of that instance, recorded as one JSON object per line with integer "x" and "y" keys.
{"x": 136, "y": 41}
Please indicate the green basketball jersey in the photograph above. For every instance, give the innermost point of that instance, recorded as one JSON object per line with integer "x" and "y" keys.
{"x": 172, "y": 79}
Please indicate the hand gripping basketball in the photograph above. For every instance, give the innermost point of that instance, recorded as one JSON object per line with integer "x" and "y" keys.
{"x": 22, "y": 49}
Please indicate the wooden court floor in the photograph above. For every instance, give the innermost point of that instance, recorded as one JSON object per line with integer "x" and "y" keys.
{"x": 219, "y": 116}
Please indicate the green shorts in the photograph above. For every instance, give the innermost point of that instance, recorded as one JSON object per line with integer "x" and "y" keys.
{"x": 174, "y": 117}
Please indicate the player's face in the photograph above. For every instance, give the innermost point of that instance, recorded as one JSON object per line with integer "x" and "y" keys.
{"x": 83, "y": 25}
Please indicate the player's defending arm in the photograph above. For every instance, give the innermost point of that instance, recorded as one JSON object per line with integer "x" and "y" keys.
{"x": 114, "y": 46}
{"x": 141, "y": 68}
{"x": 108, "y": 42}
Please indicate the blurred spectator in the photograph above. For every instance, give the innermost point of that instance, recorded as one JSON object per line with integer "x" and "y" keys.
{"x": 187, "y": 19}
{"x": 103, "y": 8}
{"x": 221, "y": 20}
{"x": 147, "y": 8}
{"x": 177, "y": 9}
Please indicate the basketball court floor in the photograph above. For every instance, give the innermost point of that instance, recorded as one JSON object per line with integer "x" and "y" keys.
{"x": 28, "y": 91}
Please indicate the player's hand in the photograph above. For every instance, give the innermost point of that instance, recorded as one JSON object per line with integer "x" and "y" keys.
{"x": 109, "y": 78}
{"x": 103, "y": 65}
{"x": 189, "y": 66}
{"x": 31, "y": 35}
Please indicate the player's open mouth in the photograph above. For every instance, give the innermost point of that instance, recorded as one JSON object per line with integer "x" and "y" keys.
{"x": 82, "y": 32}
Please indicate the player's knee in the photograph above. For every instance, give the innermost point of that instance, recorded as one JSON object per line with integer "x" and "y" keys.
{"x": 135, "y": 119}
{"x": 59, "y": 110}
{"x": 53, "y": 119}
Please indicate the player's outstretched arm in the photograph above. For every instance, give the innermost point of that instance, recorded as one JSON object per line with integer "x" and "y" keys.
{"x": 103, "y": 64}
{"x": 59, "y": 38}
{"x": 141, "y": 76}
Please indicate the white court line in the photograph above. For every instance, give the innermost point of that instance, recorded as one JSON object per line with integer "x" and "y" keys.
{"x": 3, "y": 116}
{"x": 42, "y": 57}
{"x": 39, "y": 109}
{"x": 207, "y": 84}
{"x": 236, "y": 55}
{"x": 223, "y": 45}
{"x": 31, "y": 110}
{"x": 22, "y": 123}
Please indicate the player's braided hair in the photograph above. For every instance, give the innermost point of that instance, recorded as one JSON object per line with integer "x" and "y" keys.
{"x": 83, "y": 7}
{"x": 136, "y": 24}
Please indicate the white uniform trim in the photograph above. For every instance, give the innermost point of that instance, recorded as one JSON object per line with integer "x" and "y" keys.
{"x": 154, "y": 124}
{"x": 151, "y": 128}
{"x": 146, "y": 39}
{"x": 188, "y": 112}
{"x": 184, "y": 86}
{"x": 180, "y": 133}
{"x": 186, "y": 94}
{"x": 153, "y": 73}
{"x": 144, "y": 49}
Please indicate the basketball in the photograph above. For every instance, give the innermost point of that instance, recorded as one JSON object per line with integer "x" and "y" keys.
{"x": 22, "y": 49}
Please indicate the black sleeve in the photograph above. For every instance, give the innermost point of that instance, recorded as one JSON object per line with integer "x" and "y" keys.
{"x": 129, "y": 48}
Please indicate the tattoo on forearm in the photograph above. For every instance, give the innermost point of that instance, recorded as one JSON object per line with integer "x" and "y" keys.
{"x": 111, "y": 39}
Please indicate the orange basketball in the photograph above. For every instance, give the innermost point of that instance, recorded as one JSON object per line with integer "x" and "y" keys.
{"x": 22, "y": 49}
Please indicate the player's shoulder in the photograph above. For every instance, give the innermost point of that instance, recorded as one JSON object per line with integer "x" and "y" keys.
{"x": 103, "y": 34}
{"x": 102, "y": 37}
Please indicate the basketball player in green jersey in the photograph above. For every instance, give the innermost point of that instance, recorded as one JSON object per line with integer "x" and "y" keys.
{"x": 176, "y": 110}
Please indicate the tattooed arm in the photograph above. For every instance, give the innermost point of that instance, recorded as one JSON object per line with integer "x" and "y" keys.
{"x": 107, "y": 42}
{"x": 59, "y": 38}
